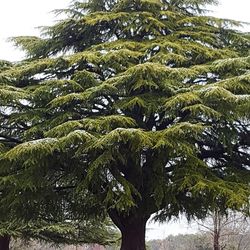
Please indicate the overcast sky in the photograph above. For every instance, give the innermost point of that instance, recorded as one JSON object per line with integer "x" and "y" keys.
{"x": 20, "y": 17}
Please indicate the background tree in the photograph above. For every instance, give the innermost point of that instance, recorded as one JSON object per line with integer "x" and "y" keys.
{"x": 127, "y": 108}
{"x": 229, "y": 231}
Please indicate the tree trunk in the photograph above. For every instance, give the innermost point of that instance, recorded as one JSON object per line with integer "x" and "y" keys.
{"x": 216, "y": 242}
{"x": 217, "y": 229}
{"x": 4, "y": 242}
{"x": 133, "y": 236}
{"x": 133, "y": 230}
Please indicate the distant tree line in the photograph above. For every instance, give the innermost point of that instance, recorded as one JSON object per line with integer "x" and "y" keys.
{"x": 199, "y": 241}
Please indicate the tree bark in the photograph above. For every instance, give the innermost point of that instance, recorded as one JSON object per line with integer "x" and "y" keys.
{"x": 133, "y": 230}
{"x": 216, "y": 242}
{"x": 133, "y": 236}
{"x": 217, "y": 229}
{"x": 4, "y": 242}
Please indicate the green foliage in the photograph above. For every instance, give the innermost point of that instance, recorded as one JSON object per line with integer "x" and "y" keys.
{"x": 59, "y": 232}
{"x": 127, "y": 108}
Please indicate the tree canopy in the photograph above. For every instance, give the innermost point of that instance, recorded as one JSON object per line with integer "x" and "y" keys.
{"x": 127, "y": 108}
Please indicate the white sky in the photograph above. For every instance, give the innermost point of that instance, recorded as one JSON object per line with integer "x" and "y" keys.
{"x": 20, "y": 17}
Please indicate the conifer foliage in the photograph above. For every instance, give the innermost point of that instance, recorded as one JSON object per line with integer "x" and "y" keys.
{"x": 127, "y": 108}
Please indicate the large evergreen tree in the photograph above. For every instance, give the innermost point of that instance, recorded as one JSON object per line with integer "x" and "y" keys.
{"x": 127, "y": 108}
